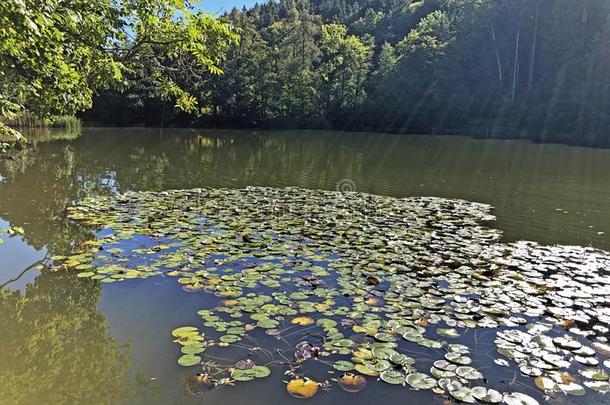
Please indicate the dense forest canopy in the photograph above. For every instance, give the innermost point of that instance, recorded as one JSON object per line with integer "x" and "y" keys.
{"x": 535, "y": 67}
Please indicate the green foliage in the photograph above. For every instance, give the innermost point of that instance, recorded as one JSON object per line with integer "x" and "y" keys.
{"x": 429, "y": 39}
{"x": 9, "y": 137}
{"x": 519, "y": 67}
{"x": 54, "y": 56}
{"x": 67, "y": 122}
{"x": 344, "y": 66}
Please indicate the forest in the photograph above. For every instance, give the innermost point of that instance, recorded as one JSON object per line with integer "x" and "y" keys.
{"x": 537, "y": 69}
{"x": 519, "y": 68}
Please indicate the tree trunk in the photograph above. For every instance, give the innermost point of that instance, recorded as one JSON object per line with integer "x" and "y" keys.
{"x": 516, "y": 67}
{"x": 493, "y": 37}
{"x": 530, "y": 80}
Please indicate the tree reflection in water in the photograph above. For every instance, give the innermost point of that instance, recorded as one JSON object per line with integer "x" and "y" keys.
{"x": 55, "y": 346}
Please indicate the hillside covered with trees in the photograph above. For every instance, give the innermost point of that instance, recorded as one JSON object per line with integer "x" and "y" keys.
{"x": 536, "y": 68}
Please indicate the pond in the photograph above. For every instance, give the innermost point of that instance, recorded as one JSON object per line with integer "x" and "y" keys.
{"x": 67, "y": 339}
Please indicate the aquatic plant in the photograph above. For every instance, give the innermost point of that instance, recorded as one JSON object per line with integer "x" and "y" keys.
{"x": 68, "y": 122}
{"x": 362, "y": 283}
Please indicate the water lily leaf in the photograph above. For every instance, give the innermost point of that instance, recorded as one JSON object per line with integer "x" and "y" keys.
{"x": 343, "y": 342}
{"x": 385, "y": 337}
{"x": 599, "y": 386}
{"x": 518, "y": 398}
{"x": 242, "y": 375}
{"x": 244, "y": 364}
{"x": 378, "y": 365}
{"x": 363, "y": 354}
{"x": 448, "y": 332}
{"x": 468, "y": 373}
{"x": 260, "y": 371}
{"x": 501, "y": 362}
{"x": 351, "y": 382}
{"x": 189, "y": 360}
{"x": 383, "y": 353}
{"x": 302, "y": 320}
{"x": 392, "y": 377}
{"x": 594, "y": 374}
{"x": 362, "y": 369}
{"x": 184, "y": 331}
{"x": 343, "y": 365}
{"x": 267, "y": 323}
{"x": 401, "y": 359}
{"x": 302, "y": 388}
{"x": 545, "y": 383}
{"x": 449, "y": 384}
{"x": 463, "y": 394}
{"x": 457, "y": 358}
{"x": 444, "y": 365}
{"x": 530, "y": 370}
{"x": 192, "y": 349}
{"x": 488, "y": 396}
{"x": 229, "y": 338}
{"x": 420, "y": 381}
{"x": 572, "y": 388}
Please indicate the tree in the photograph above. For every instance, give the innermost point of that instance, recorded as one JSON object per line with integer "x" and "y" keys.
{"x": 532, "y": 67}
{"x": 54, "y": 55}
{"x": 344, "y": 66}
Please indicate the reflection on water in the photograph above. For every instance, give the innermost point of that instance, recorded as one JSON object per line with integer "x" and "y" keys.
{"x": 55, "y": 345}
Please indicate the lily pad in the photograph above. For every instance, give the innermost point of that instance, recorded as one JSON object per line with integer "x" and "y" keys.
{"x": 302, "y": 320}
{"x": 420, "y": 381}
{"x": 189, "y": 360}
{"x": 302, "y": 388}
{"x": 392, "y": 377}
{"x": 468, "y": 373}
{"x": 463, "y": 394}
{"x": 343, "y": 365}
{"x": 488, "y": 396}
{"x": 518, "y": 398}
{"x": 352, "y": 383}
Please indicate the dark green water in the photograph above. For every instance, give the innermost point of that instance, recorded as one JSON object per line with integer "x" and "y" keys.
{"x": 63, "y": 340}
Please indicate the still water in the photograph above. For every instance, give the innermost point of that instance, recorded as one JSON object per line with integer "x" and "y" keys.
{"x": 67, "y": 340}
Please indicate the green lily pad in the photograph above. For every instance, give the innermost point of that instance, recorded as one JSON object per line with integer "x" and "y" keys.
{"x": 468, "y": 373}
{"x": 189, "y": 360}
{"x": 343, "y": 365}
{"x": 392, "y": 377}
{"x": 485, "y": 395}
{"x": 420, "y": 381}
{"x": 448, "y": 332}
{"x": 463, "y": 394}
{"x": 518, "y": 398}
{"x": 184, "y": 331}
{"x": 260, "y": 371}
{"x": 192, "y": 349}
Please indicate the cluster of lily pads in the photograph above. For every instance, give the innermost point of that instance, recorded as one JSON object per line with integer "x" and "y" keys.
{"x": 361, "y": 283}
{"x": 10, "y": 231}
